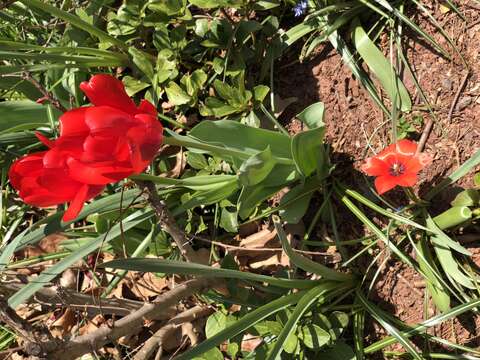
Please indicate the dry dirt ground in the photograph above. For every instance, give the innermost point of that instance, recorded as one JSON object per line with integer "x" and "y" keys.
{"x": 355, "y": 125}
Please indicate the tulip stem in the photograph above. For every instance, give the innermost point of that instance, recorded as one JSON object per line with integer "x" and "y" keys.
{"x": 171, "y": 121}
{"x": 167, "y": 221}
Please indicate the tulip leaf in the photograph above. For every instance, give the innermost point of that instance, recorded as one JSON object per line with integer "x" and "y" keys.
{"x": 381, "y": 67}
{"x": 22, "y": 113}
{"x": 256, "y": 168}
{"x": 308, "y": 151}
{"x": 312, "y": 115}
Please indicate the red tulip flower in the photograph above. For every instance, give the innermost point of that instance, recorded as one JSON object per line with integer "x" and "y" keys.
{"x": 98, "y": 145}
{"x": 42, "y": 181}
{"x": 396, "y": 165}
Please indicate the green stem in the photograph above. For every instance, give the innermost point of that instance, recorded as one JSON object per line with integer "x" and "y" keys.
{"x": 37, "y": 259}
{"x": 171, "y": 121}
{"x": 273, "y": 120}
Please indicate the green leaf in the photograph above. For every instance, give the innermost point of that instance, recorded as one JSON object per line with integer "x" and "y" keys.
{"x": 294, "y": 204}
{"x": 75, "y": 21}
{"x": 217, "y": 108}
{"x": 133, "y": 86}
{"x": 184, "y": 268}
{"x": 469, "y": 197}
{"x": 305, "y": 263}
{"x": 312, "y": 115}
{"x": 340, "y": 351}
{"x": 215, "y": 323}
{"x": 381, "y": 67}
{"x": 379, "y": 316}
{"x": 256, "y": 168}
{"x": 250, "y": 197}
{"x": 314, "y": 336}
{"x": 229, "y": 220}
{"x": 435, "y": 287}
{"x": 308, "y": 151}
{"x": 141, "y": 60}
{"x": 316, "y": 294}
{"x": 455, "y": 176}
{"x": 243, "y": 138}
{"x": 176, "y": 95}
{"x": 260, "y": 92}
{"x": 25, "y": 113}
{"x": 249, "y": 320}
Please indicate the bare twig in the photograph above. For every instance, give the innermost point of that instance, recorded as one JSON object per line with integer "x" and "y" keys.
{"x": 38, "y": 341}
{"x": 47, "y": 95}
{"x": 84, "y": 344}
{"x": 167, "y": 221}
{"x": 457, "y": 95}
{"x": 56, "y": 296}
{"x": 156, "y": 340}
{"x": 424, "y": 137}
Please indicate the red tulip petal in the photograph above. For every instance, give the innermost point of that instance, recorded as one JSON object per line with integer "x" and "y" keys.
{"x": 54, "y": 159}
{"x": 107, "y": 120}
{"x": 105, "y": 90}
{"x": 29, "y": 164}
{"x": 44, "y": 140}
{"x": 72, "y": 123}
{"x": 406, "y": 147}
{"x": 99, "y": 148}
{"x": 385, "y": 183}
{"x": 375, "y": 167}
{"x": 413, "y": 166}
{"x": 97, "y": 174}
{"x": 388, "y": 151}
{"x": 407, "y": 179}
{"x": 146, "y": 107}
{"x": 76, "y": 205}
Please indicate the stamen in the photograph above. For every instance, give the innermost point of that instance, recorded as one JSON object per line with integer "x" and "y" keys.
{"x": 397, "y": 169}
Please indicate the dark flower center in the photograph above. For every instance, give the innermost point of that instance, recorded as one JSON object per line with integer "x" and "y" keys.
{"x": 397, "y": 169}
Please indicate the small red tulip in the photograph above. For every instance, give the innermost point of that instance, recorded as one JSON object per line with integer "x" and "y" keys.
{"x": 396, "y": 165}
{"x": 98, "y": 145}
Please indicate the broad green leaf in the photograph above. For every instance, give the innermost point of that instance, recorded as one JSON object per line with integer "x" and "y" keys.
{"x": 184, "y": 268}
{"x": 215, "y": 323}
{"x": 250, "y": 197}
{"x": 176, "y": 95}
{"x": 217, "y": 108}
{"x": 304, "y": 262}
{"x": 260, "y": 92}
{"x": 256, "y": 168}
{"x": 312, "y": 115}
{"x": 317, "y": 295}
{"x": 443, "y": 239}
{"x": 212, "y": 354}
{"x": 141, "y": 60}
{"x": 340, "y": 351}
{"x": 229, "y": 220}
{"x": 294, "y": 204}
{"x": 314, "y": 336}
{"x": 243, "y": 138}
{"x": 243, "y": 324}
{"x": 381, "y": 67}
{"x": 308, "y": 152}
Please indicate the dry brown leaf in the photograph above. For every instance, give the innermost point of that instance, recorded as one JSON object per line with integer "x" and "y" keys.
{"x": 64, "y": 324}
{"x": 250, "y": 342}
{"x": 258, "y": 240}
{"x": 279, "y": 259}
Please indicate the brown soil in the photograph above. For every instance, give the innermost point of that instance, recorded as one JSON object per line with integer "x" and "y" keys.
{"x": 352, "y": 118}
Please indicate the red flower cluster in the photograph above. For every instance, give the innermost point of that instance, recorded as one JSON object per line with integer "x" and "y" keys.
{"x": 98, "y": 145}
{"x": 396, "y": 165}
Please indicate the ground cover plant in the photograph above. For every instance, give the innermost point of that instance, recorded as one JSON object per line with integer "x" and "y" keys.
{"x": 173, "y": 188}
